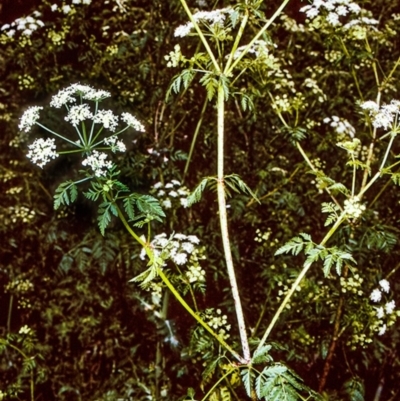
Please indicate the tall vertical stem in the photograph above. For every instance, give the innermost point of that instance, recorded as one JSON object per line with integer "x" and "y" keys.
{"x": 224, "y": 225}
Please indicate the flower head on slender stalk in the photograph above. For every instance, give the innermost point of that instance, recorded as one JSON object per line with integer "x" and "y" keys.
{"x": 42, "y": 151}
{"x": 133, "y": 122}
{"x": 29, "y": 118}
{"x": 78, "y": 114}
{"x": 107, "y": 118}
{"x": 385, "y": 116}
{"x": 98, "y": 162}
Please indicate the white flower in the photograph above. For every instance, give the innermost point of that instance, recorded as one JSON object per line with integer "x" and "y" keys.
{"x": 176, "y": 182}
{"x": 116, "y": 146}
{"x": 167, "y": 203}
{"x": 158, "y": 185}
{"x": 54, "y": 7}
{"x": 193, "y": 239}
{"x": 385, "y": 285}
{"x": 213, "y": 17}
{"x": 183, "y": 30}
{"x": 341, "y": 10}
{"x": 382, "y": 330}
{"x": 380, "y": 312}
{"x": 354, "y": 8}
{"x": 133, "y": 122}
{"x": 107, "y": 118}
{"x": 174, "y": 194}
{"x": 376, "y": 295}
{"x": 98, "y": 163}
{"x": 195, "y": 273}
{"x": 25, "y": 330}
{"x": 62, "y": 98}
{"x": 188, "y": 247}
{"x": 96, "y": 95}
{"x": 180, "y": 258}
{"x": 66, "y": 9}
{"x": 184, "y": 202}
{"x": 389, "y": 307}
{"x": 370, "y": 105}
{"x": 384, "y": 116}
{"x": 78, "y": 113}
{"x": 29, "y": 118}
{"x": 333, "y": 19}
{"x": 42, "y": 151}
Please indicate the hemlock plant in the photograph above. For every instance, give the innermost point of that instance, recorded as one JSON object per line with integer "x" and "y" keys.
{"x": 319, "y": 276}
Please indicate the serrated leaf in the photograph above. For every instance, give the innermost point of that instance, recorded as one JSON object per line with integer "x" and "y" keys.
{"x": 195, "y": 196}
{"x": 210, "y": 82}
{"x": 238, "y": 185}
{"x": 261, "y": 355}
{"x": 104, "y": 215}
{"x": 248, "y": 376}
{"x": 61, "y": 196}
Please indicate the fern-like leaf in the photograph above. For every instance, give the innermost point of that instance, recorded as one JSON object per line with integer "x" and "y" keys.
{"x": 238, "y": 185}
{"x": 195, "y": 196}
{"x": 104, "y": 215}
{"x": 65, "y": 194}
{"x": 296, "y": 245}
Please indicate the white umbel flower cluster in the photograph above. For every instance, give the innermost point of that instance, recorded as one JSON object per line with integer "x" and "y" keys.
{"x": 79, "y": 113}
{"x": 353, "y": 208}
{"x": 29, "y": 118}
{"x": 68, "y": 95}
{"x": 42, "y": 151}
{"x": 98, "y": 162}
{"x": 26, "y": 25}
{"x": 217, "y": 321}
{"x": 115, "y": 145}
{"x": 210, "y": 18}
{"x": 385, "y": 116}
{"x": 196, "y": 273}
{"x": 341, "y": 126}
{"x": 334, "y": 9}
{"x": 170, "y": 193}
{"x": 384, "y": 313}
{"x": 178, "y": 247}
{"x": 133, "y": 122}
{"x": 107, "y": 118}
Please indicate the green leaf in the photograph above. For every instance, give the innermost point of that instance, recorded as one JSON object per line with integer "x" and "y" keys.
{"x": 104, "y": 215}
{"x": 296, "y": 245}
{"x": 248, "y": 376}
{"x": 195, "y": 196}
{"x": 261, "y": 355}
{"x": 61, "y": 196}
{"x": 210, "y": 82}
{"x": 238, "y": 185}
{"x": 147, "y": 206}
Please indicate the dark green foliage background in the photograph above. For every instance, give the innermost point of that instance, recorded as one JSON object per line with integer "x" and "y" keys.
{"x": 95, "y": 337}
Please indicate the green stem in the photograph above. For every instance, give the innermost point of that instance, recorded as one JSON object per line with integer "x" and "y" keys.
{"x": 202, "y": 37}
{"x": 297, "y": 282}
{"x": 217, "y": 383}
{"x": 170, "y": 286}
{"x": 165, "y": 279}
{"x": 259, "y": 34}
{"x": 353, "y": 185}
{"x": 60, "y": 136}
{"x": 224, "y": 225}
{"x": 131, "y": 232}
{"x": 237, "y": 40}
